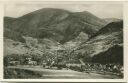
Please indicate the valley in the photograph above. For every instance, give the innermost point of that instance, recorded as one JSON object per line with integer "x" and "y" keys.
{"x": 77, "y": 41}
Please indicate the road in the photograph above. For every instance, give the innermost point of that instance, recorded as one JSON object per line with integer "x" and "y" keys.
{"x": 66, "y": 74}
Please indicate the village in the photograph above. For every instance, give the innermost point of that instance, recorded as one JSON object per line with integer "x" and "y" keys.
{"x": 59, "y": 64}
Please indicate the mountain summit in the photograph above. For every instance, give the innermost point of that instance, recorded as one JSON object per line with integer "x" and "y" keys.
{"x": 57, "y": 24}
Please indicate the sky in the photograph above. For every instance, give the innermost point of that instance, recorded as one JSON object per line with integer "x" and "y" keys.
{"x": 100, "y": 10}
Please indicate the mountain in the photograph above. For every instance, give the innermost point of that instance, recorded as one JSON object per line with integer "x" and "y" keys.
{"x": 105, "y": 39}
{"x": 110, "y": 28}
{"x": 112, "y": 55}
{"x": 48, "y": 29}
{"x": 56, "y": 24}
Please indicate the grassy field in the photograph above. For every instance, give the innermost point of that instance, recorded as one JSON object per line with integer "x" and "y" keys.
{"x": 37, "y": 72}
{"x": 11, "y": 73}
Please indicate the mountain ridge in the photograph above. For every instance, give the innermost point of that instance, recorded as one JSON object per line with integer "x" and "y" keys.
{"x": 67, "y": 24}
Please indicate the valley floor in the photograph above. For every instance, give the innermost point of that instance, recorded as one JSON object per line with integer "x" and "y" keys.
{"x": 41, "y": 73}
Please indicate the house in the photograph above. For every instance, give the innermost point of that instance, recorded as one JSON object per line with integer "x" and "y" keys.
{"x": 14, "y": 63}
